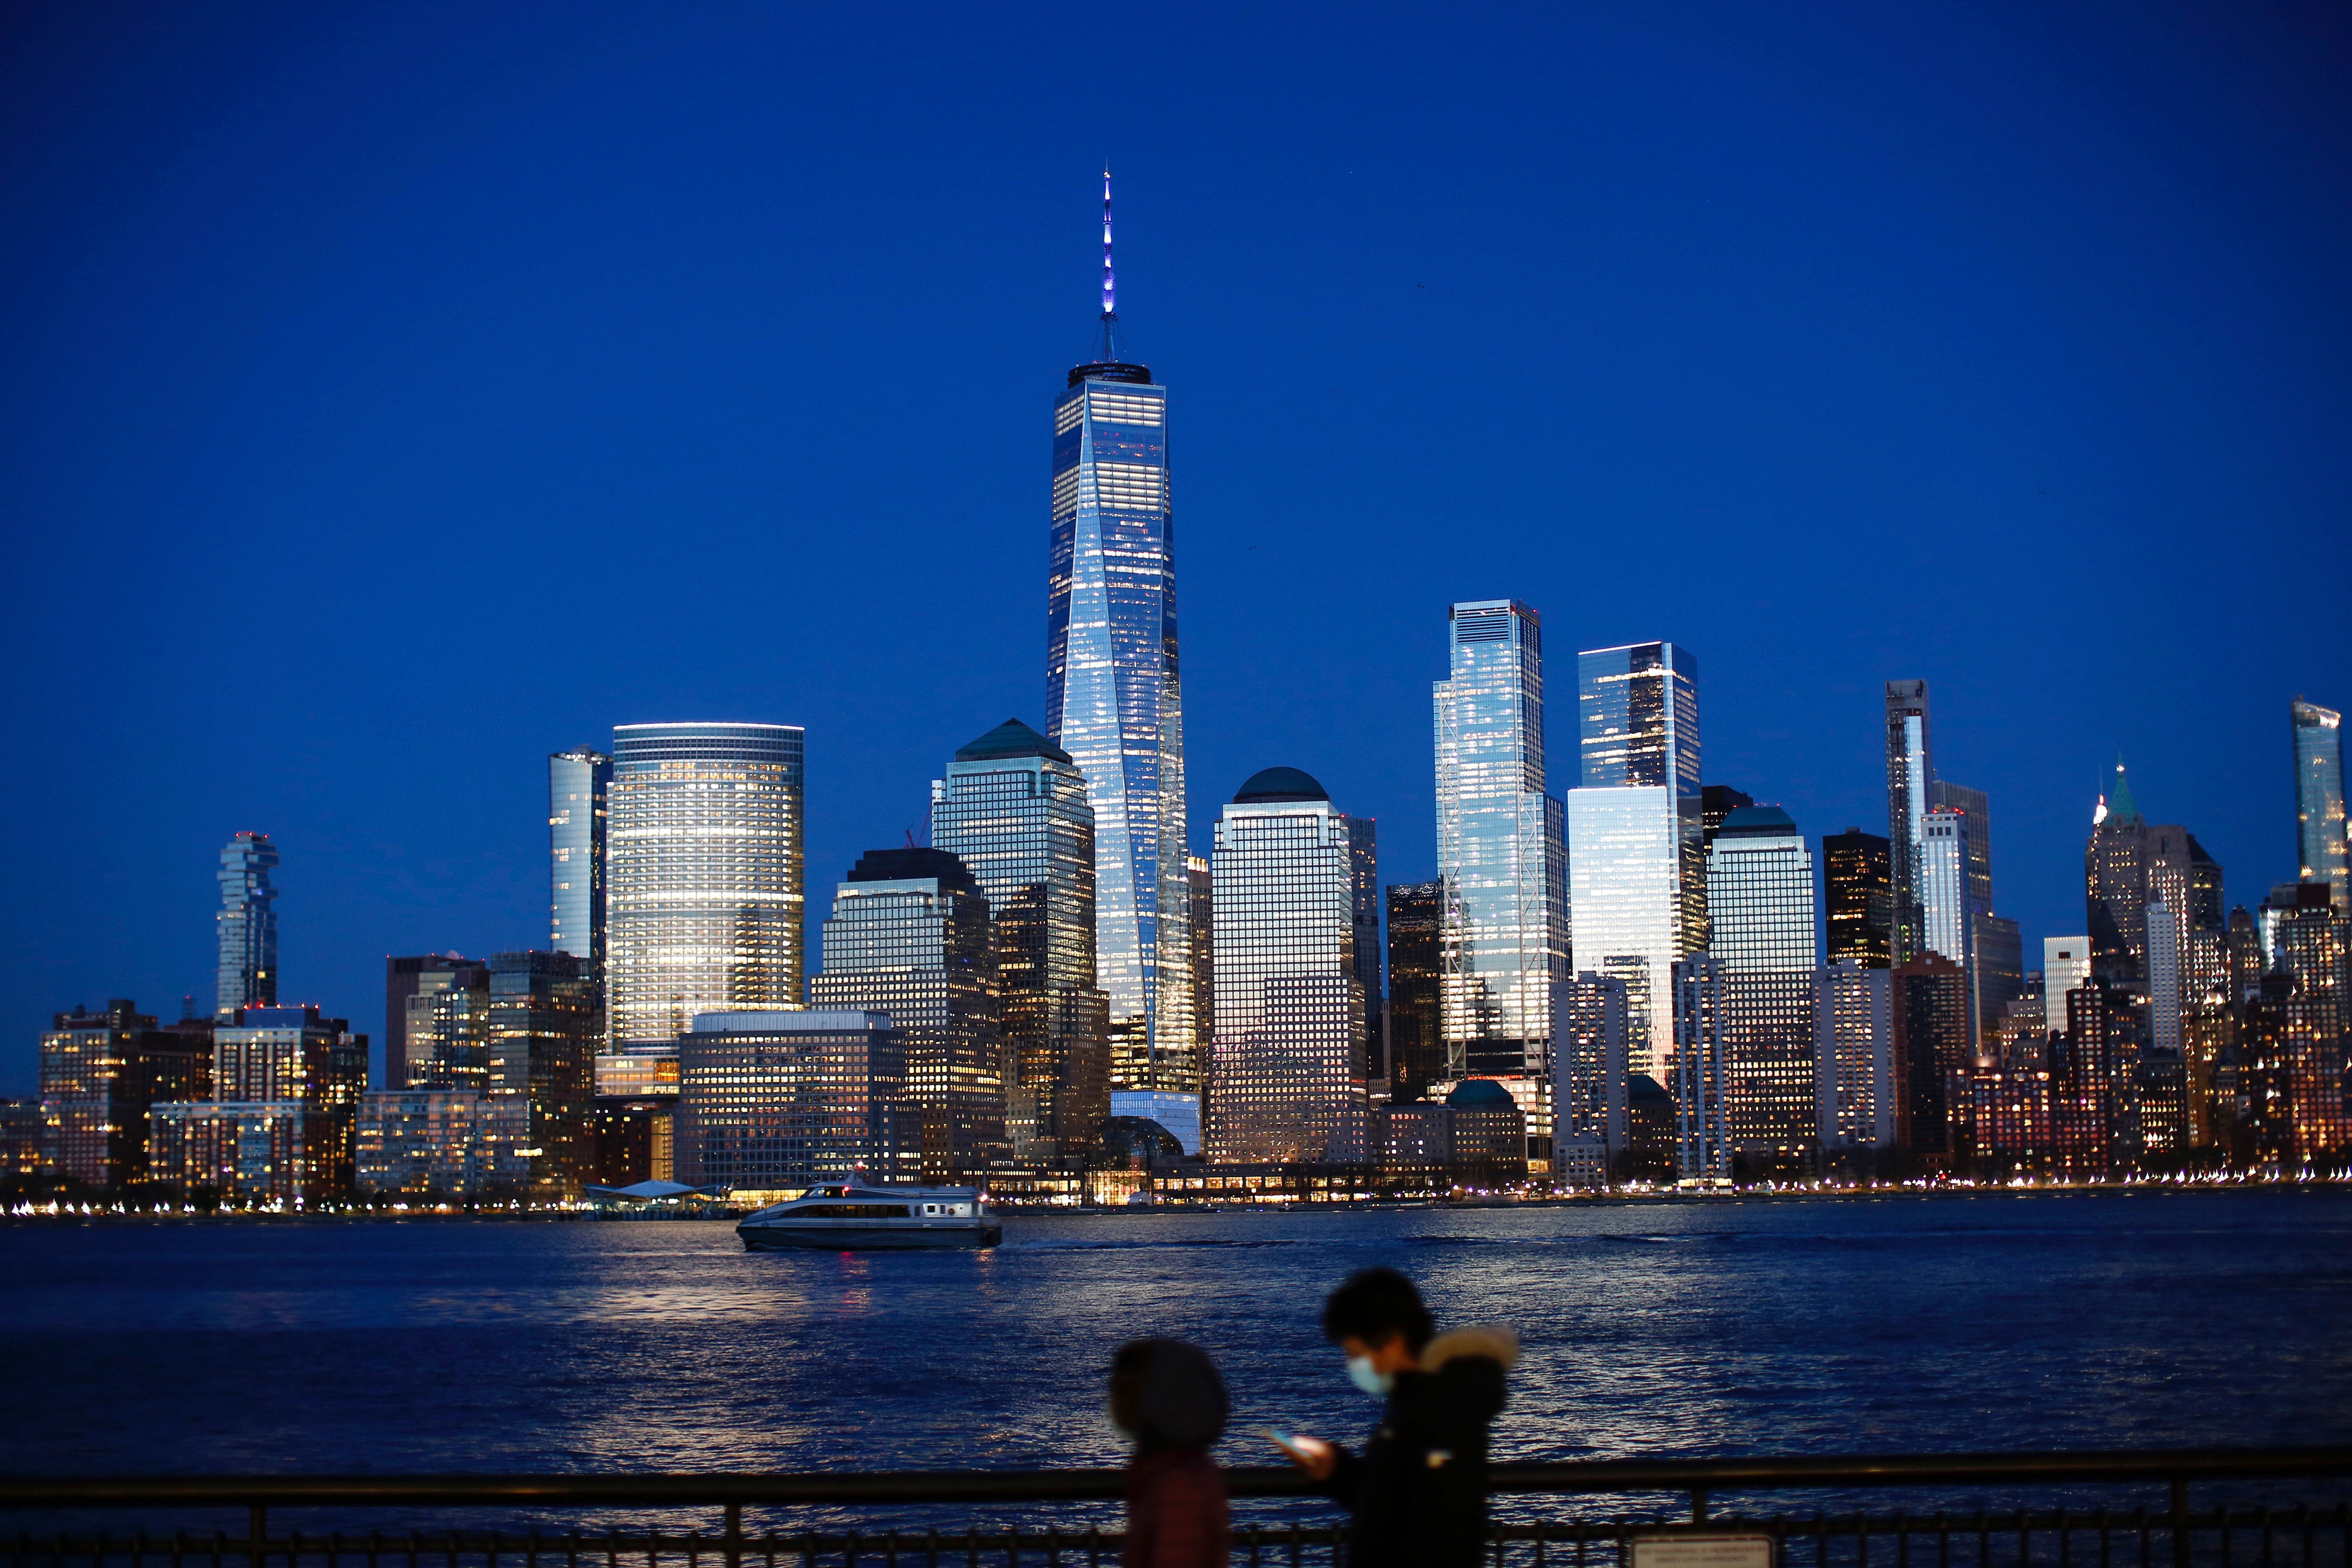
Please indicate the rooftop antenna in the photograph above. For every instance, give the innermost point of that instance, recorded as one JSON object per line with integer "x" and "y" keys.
{"x": 1110, "y": 291}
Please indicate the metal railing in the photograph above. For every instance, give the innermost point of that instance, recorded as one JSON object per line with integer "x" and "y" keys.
{"x": 2271, "y": 1507}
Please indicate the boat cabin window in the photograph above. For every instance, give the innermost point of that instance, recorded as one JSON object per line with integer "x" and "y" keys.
{"x": 851, "y": 1211}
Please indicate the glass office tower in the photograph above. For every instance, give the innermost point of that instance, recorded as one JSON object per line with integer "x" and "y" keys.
{"x": 1013, "y": 809}
{"x": 1113, "y": 702}
{"x": 2320, "y": 849}
{"x": 1502, "y": 932}
{"x": 1637, "y": 881}
{"x": 1858, "y": 892}
{"x": 704, "y": 874}
{"x": 248, "y": 925}
{"x": 579, "y": 782}
{"x": 1590, "y": 1078}
{"x": 1760, "y": 902}
{"x": 1288, "y": 1079}
{"x": 1910, "y": 768}
{"x": 909, "y": 937}
{"x": 1364, "y": 875}
{"x": 1416, "y": 1042}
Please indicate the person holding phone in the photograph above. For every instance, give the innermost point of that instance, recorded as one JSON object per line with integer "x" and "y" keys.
{"x": 1418, "y": 1495}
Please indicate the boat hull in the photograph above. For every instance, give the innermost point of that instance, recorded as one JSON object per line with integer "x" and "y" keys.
{"x": 835, "y": 1236}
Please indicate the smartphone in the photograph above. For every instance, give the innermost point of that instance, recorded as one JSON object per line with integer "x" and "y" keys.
{"x": 1305, "y": 1448}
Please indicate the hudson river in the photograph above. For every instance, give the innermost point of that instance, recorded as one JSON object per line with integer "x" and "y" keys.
{"x": 1880, "y": 1324}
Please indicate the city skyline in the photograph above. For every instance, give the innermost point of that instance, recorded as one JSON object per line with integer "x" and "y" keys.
{"x": 1294, "y": 652}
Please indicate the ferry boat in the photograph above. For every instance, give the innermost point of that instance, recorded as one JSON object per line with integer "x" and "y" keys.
{"x": 843, "y": 1217}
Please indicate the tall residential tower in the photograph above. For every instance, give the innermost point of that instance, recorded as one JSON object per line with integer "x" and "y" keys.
{"x": 248, "y": 921}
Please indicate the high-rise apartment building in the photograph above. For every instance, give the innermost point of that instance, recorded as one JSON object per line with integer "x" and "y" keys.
{"x": 1702, "y": 1120}
{"x": 248, "y": 925}
{"x": 909, "y": 937}
{"x": 540, "y": 1083}
{"x": 404, "y": 976}
{"x": 705, "y": 865}
{"x": 1013, "y": 809}
{"x": 1910, "y": 770}
{"x": 1416, "y": 1044}
{"x": 275, "y": 1071}
{"x": 1199, "y": 886}
{"x": 1947, "y": 922}
{"x": 780, "y": 1100}
{"x": 2321, "y": 852}
{"x": 1760, "y": 901}
{"x": 1288, "y": 1081}
{"x": 1114, "y": 699}
{"x": 1364, "y": 882}
{"x": 1858, "y": 1089}
{"x": 2309, "y": 947}
{"x": 445, "y": 1029}
{"x": 100, "y": 1072}
{"x": 579, "y": 787}
{"x": 1930, "y": 1005}
{"x": 1501, "y": 855}
{"x": 1858, "y": 894}
{"x": 1637, "y": 871}
{"x": 1590, "y": 1128}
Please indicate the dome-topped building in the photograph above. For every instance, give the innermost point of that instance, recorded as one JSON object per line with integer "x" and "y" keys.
{"x": 1272, "y": 786}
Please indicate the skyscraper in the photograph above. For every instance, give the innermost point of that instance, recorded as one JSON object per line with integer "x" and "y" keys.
{"x": 1702, "y": 1126}
{"x": 704, "y": 874}
{"x": 1858, "y": 1089}
{"x": 1416, "y": 1043}
{"x": 1113, "y": 698}
{"x": 1637, "y": 876}
{"x": 1288, "y": 1079}
{"x": 1501, "y": 856}
{"x": 1588, "y": 1130}
{"x": 248, "y": 921}
{"x": 578, "y": 784}
{"x": 542, "y": 1080}
{"x": 1760, "y": 901}
{"x": 1946, "y": 915}
{"x": 99, "y": 1074}
{"x": 1858, "y": 892}
{"x": 1910, "y": 768}
{"x": 1013, "y": 809}
{"x": 2065, "y": 967}
{"x": 779, "y": 1099}
{"x": 1364, "y": 882}
{"x": 2320, "y": 848}
{"x": 1930, "y": 1005}
{"x": 909, "y": 937}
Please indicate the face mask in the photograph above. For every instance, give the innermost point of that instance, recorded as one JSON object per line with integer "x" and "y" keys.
{"x": 1368, "y": 1377}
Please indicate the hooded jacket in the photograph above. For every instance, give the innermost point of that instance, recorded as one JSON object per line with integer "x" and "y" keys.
{"x": 1418, "y": 1495}
{"x": 1176, "y": 1511}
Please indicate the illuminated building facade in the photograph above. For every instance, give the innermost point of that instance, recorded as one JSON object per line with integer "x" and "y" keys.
{"x": 1702, "y": 1120}
{"x": 425, "y": 1142}
{"x": 1858, "y": 1086}
{"x": 99, "y": 1073}
{"x": 1200, "y": 887}
{"x": 246, "y": 925}
{"x": 1858, "y": 898}
{"x": 292, "y": 1055}
{"x": 782, "y": 1099}
{"x": 1364, "y": 879}
{"x": 909, "y": 937}
{"x": 540, "y": 1083}
{"x": 2309, "y": 948}
{"x": 1287, "y": 1082}
{"x": 404, "y": 978}
{"x": 1910, "y": 771}
{"x": 1759, "y": 900}
{"x": 1013, "y": 809}
{"x": 2065, "y": 967}
{"x": 1637, "y": 871}
{"x": 578, "y": 790}
{"x": 1501, "y": 857}
{"x": 2321, "y": 852}
{"x": 1416, "y": 1045}
{"x": 246, "y": 1153}
{"x": 1588, "y": 1129}
{"x": 445, "y": 1030}
{"x": 1931, "y": 1049}
{"x": 1114, "y": 698}
{"x": 705, "y": 865}
{"x": 1948, "y": 924}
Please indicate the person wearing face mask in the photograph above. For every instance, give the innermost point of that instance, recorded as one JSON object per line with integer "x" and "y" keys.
{"x": 1418, "y": 1494}
{"x": 1167, "y": 1398}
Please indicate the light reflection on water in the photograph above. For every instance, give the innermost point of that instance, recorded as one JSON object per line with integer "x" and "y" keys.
{"x": 2010, "y": 1320}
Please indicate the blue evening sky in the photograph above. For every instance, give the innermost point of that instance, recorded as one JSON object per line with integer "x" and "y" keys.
{"x": 396, "y": 394}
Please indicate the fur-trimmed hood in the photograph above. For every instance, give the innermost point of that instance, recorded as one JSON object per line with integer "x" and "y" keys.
{"x": 1493, "y": 1340}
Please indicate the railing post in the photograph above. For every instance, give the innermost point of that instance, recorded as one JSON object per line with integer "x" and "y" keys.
{"x": 2180, "y": 1521}
{"x": 1698, "y": 1505}
{"x": 733, "y": 1545}
{"x": 257, "y": 1527}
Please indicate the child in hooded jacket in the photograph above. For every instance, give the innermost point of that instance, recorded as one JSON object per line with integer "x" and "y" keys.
{"x": 1166, "y": 1396}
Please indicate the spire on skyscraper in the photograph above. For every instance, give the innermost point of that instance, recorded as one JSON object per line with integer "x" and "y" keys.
{"x": 1110, "y": 289}
{"x": 2120, "y": 805}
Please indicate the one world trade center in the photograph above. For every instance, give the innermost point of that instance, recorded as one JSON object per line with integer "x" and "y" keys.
{"x": 1113, "y": 701}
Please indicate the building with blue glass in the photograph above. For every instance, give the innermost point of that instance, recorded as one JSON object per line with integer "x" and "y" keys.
{"x": 1503, "y": 926}
{"x": 579, "y": 782}
{"x": 1114, "y": 699}
{"x": 247, "y": 926}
